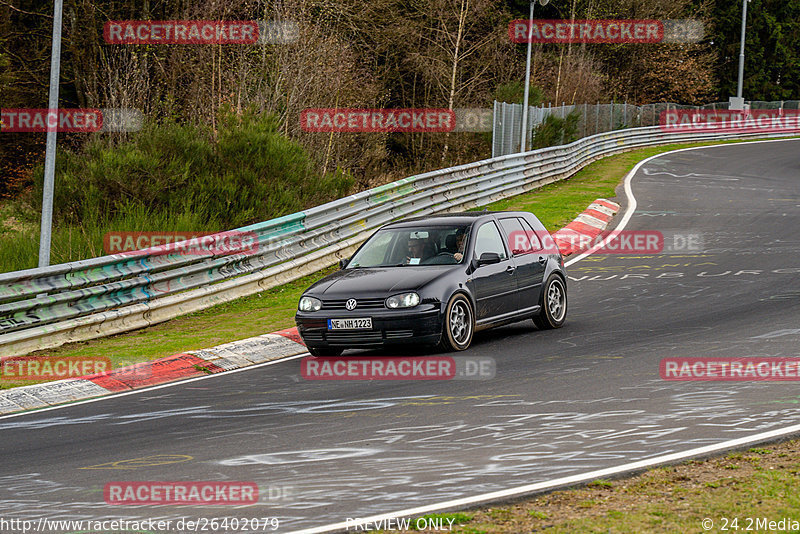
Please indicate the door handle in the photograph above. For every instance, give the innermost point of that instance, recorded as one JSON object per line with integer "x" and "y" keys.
{"x": 542, "y": 260}
{"x": 510, "y": 269}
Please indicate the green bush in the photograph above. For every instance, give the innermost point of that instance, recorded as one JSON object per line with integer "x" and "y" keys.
{"x": 170, "y": 178}
{"x": 250, "y": 173}
{"x": 556, "y": 131}
{"x": 513, "y": 92}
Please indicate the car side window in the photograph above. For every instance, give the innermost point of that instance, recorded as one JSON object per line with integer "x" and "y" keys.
{"x": 488, "y": 240}
{"x": 517, "y": 238}
{"x": 534, "y": 241}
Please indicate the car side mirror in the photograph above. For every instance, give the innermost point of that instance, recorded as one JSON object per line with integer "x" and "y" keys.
{"x": 488, "y": 258}
{"x": 343, "y": 262}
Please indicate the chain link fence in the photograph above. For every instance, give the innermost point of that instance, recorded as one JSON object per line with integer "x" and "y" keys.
{"x": 594, "y": 118}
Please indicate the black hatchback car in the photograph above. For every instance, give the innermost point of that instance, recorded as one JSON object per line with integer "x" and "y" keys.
{"x": 437, "y": 280}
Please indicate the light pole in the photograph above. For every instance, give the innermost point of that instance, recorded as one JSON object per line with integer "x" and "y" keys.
{"x": 524, "y": 135}
{"x": 50, "y": 150}
{"x": 741, "y": 49}
{"x": 738, "y": 102}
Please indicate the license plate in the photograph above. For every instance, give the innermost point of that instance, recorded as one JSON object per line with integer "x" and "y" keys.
{"x": 350, "y": 324}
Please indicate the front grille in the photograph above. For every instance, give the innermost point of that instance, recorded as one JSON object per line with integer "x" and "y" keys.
{"x": 365, "y": 304}
{"x": 399, "y": 334}
{"x": 368, "y": 336}
{"x": 312, "y": 336}
{"x": 358, "y": 337}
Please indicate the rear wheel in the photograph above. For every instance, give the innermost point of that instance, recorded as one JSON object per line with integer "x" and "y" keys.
{"x": 459, "y": 324}
{"x": 553, "y": 311}
{"x": 325, "y": 351}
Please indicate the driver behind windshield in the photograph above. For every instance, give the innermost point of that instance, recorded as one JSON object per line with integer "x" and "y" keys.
{"x": 416, "y": 251}
{"x": 461, "y": 243}
{"x": 395, "y": 247}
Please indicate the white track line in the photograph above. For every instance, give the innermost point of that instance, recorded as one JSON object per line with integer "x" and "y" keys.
{"x": 152, "y": 388}
{"x": 591, "y": 475}
{"x": 558, "y": 482}
{"x": 632, "y": 199}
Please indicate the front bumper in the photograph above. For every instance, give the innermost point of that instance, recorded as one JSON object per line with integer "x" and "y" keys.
{"x": 420, "y": 325}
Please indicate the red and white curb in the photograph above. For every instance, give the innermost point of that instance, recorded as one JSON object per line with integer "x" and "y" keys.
{"x": 578, "y": 235}
{"x": 194, "y": 363}
{"x": 237, "y": 354}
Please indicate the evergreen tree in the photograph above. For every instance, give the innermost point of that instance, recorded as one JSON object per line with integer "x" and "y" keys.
{"x": 772, "y": 54}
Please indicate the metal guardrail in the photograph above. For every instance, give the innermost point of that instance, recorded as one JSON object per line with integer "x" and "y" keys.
{"x": 47, "y": 307}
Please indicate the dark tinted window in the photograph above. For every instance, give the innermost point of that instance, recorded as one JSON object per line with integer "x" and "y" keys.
{"x": 521, "y": 239}
{"x": 536, "y": 244}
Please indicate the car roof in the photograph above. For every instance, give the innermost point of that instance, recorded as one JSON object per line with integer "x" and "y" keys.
{"x": 465, "y": 217}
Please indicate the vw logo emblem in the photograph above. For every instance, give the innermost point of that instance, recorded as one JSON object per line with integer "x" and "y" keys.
{"x": 351, "y": 304}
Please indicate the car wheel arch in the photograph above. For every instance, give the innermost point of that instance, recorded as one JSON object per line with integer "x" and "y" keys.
{"x": 543, "y": 319}
{"x": 449, "y": 340}
{"x": 560, "y": 274}
{"x": 460, "y": 291}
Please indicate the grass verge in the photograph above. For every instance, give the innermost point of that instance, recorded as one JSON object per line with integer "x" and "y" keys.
{"x": 555, "y": 204}
{"x": 740, "y": 491}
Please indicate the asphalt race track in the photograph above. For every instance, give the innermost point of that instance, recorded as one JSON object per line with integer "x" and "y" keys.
{"x": 564, "y": 402}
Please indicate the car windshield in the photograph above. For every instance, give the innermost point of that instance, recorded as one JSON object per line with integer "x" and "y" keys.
{"x": 419, "y": 245}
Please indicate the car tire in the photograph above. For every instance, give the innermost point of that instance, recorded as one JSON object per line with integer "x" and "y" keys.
{"x": 553, "y": 304}
{"x": 324, "y": 351}
{"x": 458, "y": 326}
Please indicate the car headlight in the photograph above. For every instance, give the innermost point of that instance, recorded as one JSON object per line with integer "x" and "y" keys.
{"x": 406, "y": 300}
{"x": 309, "y": 304}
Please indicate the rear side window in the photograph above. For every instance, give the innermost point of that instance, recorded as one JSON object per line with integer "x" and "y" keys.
{"x": 520, "y": 236}
{"x": 534, "y": 240}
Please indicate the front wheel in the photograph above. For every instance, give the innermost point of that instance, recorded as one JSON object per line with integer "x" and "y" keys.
{"x": 326, "y": 351}
{"x": 553, "y": 311}
{"x": 459, "y": 324}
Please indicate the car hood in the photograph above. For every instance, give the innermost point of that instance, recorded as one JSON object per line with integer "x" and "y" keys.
{"x": 377, "y": 281}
